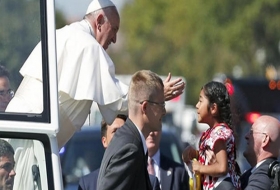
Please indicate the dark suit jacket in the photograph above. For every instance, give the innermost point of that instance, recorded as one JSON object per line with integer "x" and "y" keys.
{"x": 173, "y": 176}
{"x": 89, "y": 181}
{"x": 259, "y": 179}
{"x": 124, "y": 164}
{"x": 154, "y": 182}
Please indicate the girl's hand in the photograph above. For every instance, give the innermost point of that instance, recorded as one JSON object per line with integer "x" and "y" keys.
{"x": 188, "y": 154}
{"x": 196, "y": 165}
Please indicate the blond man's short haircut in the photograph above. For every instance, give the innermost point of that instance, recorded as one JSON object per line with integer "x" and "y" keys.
{"x": 144, "y": 85}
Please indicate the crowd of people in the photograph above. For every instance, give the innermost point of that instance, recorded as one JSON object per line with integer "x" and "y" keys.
{"x": 132, "y": 125}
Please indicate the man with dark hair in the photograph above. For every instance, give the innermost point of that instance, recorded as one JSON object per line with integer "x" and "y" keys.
{"x": 89, "y": 182}
{"x": 107, "y": 131}
{"x": 7, "y": 163}
{"x": 6, "y": 93}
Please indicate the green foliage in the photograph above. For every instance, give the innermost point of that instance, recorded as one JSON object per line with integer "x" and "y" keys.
{"x": 60, "y": 19}
{"x": 19, "y": 33}
{"x": 197, "y": 39}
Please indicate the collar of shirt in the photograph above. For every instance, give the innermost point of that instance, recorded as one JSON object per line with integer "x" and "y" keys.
{"x": 89, "y": 27}
{"x": 143, "y": 140}
{"x": 256, "y": 166}
{"x": 156, "y": 159}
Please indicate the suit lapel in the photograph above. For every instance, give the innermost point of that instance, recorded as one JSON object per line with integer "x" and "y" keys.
{"x": 135, "y": 131}
{"x": 244, "y": 178}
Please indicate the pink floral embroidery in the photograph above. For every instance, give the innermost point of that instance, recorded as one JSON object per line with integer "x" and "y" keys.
{"x": 207, "y": 141}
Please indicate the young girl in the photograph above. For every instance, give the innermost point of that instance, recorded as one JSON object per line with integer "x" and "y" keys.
{"x": 213, "y": 108}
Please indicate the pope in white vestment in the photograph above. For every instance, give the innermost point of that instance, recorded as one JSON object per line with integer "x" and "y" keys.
{"x": 85, "y": 74}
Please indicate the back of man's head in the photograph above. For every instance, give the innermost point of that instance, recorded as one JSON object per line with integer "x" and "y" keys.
{"x": 272, "y": 129}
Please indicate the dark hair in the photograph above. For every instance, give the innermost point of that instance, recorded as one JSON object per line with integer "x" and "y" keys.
{"x": 217, "y": 93}
{"x": 5, "y": 148}
{"x": 104, "y": 124}
{"x": 4, "y": 72}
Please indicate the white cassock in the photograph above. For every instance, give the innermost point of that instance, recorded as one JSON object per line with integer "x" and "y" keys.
{"x": 85, "y": 74}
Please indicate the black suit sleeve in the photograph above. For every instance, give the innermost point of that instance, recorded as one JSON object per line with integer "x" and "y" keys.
{"x": 81, "y": 184}
{"x": 118, "y": 169}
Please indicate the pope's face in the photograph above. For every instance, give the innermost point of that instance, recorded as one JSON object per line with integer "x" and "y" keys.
{"x": 107, "y": 32}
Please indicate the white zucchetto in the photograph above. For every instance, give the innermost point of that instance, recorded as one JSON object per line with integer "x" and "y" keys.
{"x": 99, "y": 4}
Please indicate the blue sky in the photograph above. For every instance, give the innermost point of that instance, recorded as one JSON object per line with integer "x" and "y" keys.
{"x": 75, "y": 9}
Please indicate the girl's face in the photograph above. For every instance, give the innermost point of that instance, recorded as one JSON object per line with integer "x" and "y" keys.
{"x": 203, "y": 113}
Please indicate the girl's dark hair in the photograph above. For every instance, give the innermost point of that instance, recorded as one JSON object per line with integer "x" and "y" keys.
{"x": 217, "y": 93}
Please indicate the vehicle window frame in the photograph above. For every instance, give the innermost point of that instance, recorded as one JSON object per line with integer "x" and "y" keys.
{"x": 44, "y": 139}
{"x": 45, "y": 115}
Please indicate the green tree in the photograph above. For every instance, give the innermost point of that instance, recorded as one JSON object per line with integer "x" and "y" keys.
{"x": 197, "y": 38}
{"x": 19, "y": 31}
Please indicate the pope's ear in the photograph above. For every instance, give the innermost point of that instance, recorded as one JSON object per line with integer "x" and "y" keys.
{"x": 100, "y": 19}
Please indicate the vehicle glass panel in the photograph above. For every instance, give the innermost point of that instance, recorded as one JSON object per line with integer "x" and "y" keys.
{"x": 23, "y": 26}
{"x": 30, "y": 154}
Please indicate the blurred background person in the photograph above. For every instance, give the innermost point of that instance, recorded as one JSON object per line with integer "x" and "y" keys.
{"x": 170, "y": 174}
{"x": 6, "y": 93}
{"x": 89, "y": 181}
{"x": 263, "y": 144}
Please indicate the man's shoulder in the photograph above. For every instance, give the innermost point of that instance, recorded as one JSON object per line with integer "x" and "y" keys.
{"x": 89, "y": 181}
{"x": 92, "y": 175}
{"x": 259, "y": 177}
